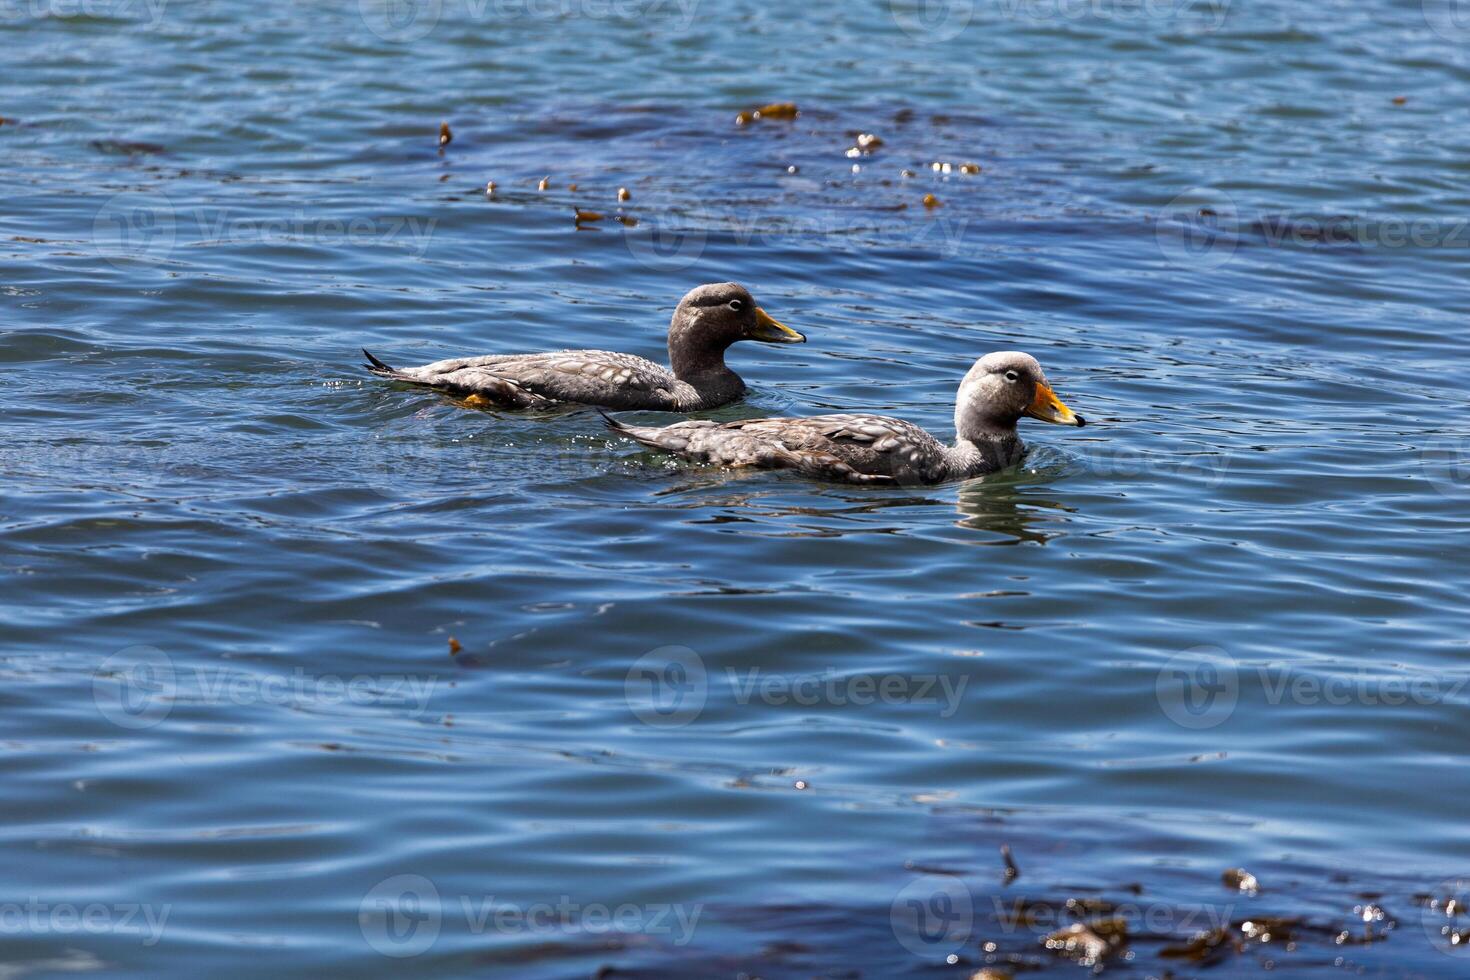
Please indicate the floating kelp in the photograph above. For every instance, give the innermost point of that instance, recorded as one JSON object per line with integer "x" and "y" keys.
{"x": 1205, "y": 948}
{"x": 454, "y": 647}
{"x": 623, "y": 194}
{"x": 445, "y": 136}
{"x": 865, "y": 145}
{"x": 127, "y": 147}
{"x": 489, "y": 187}
{"x": 1012, "y": 871}
{"x": 776, "y": 110}
{"x": 544, "y": 184}
{"x": 589, "y": 216}
{"x": 930, "y": 201}
{"x": 1240, "y": 880}
{"x": 1088, "y": 944}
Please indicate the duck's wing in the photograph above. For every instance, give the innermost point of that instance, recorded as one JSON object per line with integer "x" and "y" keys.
{"x": 590, "y": 377}
{"x": 851, "y": 448}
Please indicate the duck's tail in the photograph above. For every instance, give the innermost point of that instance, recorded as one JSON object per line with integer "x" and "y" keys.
{"x": 651, "y": 436}
{"x": 383, "y": 370}
{"x": 611, "y": 422}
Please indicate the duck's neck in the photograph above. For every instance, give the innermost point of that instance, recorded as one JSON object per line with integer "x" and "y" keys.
{"x": 705, "y": 371}
{"x": 985, "y": 452}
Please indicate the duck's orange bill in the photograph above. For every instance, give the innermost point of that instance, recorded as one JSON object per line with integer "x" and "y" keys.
{"x": 772, "y": 331}
{"x": 1049, "y": 408}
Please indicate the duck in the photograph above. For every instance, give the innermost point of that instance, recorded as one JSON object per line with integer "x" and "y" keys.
{"x": 705, "y": 323}
{"x": 998, "y": 391}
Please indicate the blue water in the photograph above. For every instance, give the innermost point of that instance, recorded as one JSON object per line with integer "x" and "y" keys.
{"x": 703, "y": 723}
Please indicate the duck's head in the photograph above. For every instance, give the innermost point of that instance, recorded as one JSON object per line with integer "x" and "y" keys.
{"x": 712, "y": 317}
{"x": 1000, "y": 390}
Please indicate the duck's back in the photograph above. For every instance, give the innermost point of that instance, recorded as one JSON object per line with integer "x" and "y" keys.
{"x": 591, "y": 377}
{"x": 857, "y": 448}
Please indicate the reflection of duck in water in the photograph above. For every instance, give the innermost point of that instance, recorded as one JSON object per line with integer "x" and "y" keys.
{"x": 1012, "y": 506}
{"x": 708, "y": 320}
{"x": 997, "y": 392}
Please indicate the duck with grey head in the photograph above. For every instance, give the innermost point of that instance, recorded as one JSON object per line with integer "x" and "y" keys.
{"x": 1000, "y": 390}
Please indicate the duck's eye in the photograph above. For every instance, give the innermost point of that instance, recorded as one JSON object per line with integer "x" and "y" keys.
{"x": 735, "y": 305}
{"x": 1012, "y": 377}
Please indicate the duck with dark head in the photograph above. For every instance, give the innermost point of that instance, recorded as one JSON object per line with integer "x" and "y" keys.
{"x": 707, "y": 321}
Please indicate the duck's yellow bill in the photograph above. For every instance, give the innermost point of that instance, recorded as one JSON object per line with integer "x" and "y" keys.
{"x": 772, "y": 331}
{"x": 1049, "y": 408}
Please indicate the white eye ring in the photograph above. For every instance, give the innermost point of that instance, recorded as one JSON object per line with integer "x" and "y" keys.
{"x": 1012, "y": 377}
{"x": 736, "y": 305}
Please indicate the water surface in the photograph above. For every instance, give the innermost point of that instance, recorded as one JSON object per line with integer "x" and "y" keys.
{"x": 701, "y": 723}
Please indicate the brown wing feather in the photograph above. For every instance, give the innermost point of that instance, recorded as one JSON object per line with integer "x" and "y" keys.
{"x": 593, "y": 377}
